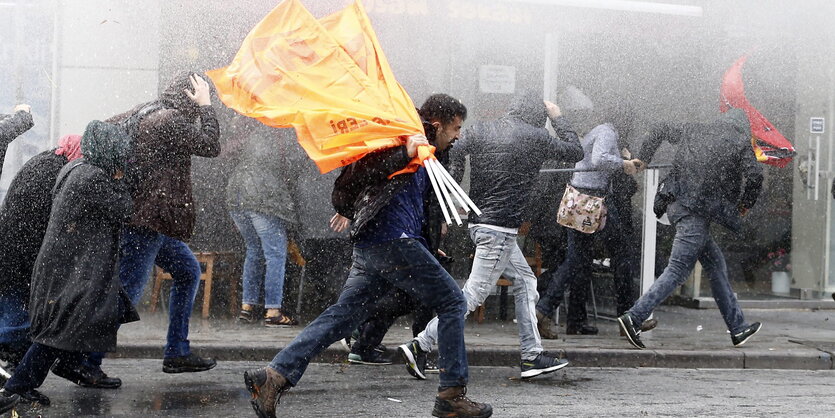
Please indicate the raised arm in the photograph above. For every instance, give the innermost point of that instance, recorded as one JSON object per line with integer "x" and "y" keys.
{"x": 14, "y": 125}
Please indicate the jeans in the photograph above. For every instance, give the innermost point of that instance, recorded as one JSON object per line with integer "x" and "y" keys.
{"x": 14, "y": 318}
{"x": 497, "y": 254}
{"x": 140, "y": 250}
{"x": 405, "y": 264}
{"x": 576, "y": 270}
{"x": 692, "y": 242}
{"x": 266, "y": 254}
{"x": 32, "y": 371}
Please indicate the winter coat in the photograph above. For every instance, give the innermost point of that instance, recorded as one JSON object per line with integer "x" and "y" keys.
{"x": 363, "y": 187}
{"x": 600, "y": 153}
{"x": 712, "y": 160}
{"x": 24, "y": 217}
{"x": 77, "y": 301}
{"x": 261, "y": 179}
{"x": 505, "y": 158}
{"x": 11, "y": 127}
{"x": 160, "y": 168}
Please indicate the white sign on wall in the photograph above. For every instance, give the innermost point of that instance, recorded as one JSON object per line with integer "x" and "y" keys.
{"x": 816, "y": 125}
{"x": 497, "y": 79}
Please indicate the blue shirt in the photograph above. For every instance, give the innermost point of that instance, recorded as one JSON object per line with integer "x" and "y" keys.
{"x": 401, "y": 218}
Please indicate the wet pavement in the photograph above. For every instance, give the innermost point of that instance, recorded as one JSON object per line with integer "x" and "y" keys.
{"x": 685, "y": 338}
{"x": 383, "y": 391}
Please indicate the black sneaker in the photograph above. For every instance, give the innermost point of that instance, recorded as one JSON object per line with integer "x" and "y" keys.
{"x": 187, "y": 364}
{"x": 8, "y": 401}
{"x": 373, "y": 358}
{"x": 633, "y": 334}
{"x": 415, "y": 359}
{"x": 86, "y": 376}
{"x": 31, "y": 396}
{"x": 746, "y": 334}
{"x": 542, "y": 364}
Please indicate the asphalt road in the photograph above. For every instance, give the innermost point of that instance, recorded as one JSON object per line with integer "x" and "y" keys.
{"x": 386, "y": 391}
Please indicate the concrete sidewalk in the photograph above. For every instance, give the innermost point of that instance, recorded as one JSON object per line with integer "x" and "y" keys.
{"x": 685, "y": 338}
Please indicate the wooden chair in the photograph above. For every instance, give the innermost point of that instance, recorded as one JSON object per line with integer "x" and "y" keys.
{"x": 207, "y": 266}
{"x": 534, "y": 261}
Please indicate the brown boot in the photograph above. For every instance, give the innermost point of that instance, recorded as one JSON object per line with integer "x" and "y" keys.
{"x": 266, "y": 386}
{"x": 543, "y": 324}
{"x": 453, "y": 402}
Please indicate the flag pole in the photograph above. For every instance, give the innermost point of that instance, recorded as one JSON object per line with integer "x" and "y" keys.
{"x": 438, "y": 193}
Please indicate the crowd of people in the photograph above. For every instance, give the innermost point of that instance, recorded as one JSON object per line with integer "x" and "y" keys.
{"x": 83, "y": 224}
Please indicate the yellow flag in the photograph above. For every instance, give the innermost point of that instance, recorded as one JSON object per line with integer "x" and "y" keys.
{"x": 329, "y": 79}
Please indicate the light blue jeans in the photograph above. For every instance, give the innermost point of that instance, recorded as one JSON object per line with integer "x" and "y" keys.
{"x": 265, "y": 238}
{"x": 497, "y": 254}
{"x": 692, "y": 242}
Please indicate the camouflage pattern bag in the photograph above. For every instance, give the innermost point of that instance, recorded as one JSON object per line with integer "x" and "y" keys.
{"x": 582, "y": 212}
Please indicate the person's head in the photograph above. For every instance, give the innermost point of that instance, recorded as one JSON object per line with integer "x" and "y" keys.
{"x": 69, "y": 146}
{"x": 446, "y": 114}
{"x": 174, "y": 96}
{"x": 106, "y": 146}
{"x": 529, "y": 106}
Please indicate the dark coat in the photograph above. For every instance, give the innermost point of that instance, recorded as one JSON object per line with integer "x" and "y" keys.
{"x": 505, "y": 158}
{"x": 11, "y": 127}
{"x": 711, "y": 162}
{"x": 24, "y": 217}
{"x": 77, "y": 301}
{"x": 160, "y": 166}
{"x": 363, "y": 188}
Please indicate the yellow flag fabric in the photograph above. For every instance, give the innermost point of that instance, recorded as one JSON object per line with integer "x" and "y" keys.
{"x": 328, "y": 78}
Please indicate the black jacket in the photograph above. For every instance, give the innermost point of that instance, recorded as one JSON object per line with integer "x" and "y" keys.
{"x": 711, "y": 162}
{"x": 24, "y": 217}
{"x": 11, "y": 127}
{"x": 505, "y": 158}
{"x": 363, "y": 188}
{"x": 77, "y": 301}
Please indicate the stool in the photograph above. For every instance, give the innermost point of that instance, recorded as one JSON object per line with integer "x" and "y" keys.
{"x": 207, "y": 262}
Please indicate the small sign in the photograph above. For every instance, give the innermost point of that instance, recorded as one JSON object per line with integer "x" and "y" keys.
{"x": 497, "y": 79}
{"x": 816, "y": 125}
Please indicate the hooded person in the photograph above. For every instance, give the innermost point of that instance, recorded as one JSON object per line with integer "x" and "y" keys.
{"x": 23, "y": 220}
{"x": 715, "y": 179}
{"x": 597, "y": 170}
{"x": 505, "y": 159}
{"x": 165, "y": 134}
{"x": 77, "y": 301}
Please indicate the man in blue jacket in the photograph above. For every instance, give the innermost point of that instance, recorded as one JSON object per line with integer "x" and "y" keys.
{"x": 387, "y": 217}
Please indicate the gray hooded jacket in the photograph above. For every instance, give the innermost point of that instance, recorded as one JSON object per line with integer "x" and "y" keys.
{"x": 715, "y": 171}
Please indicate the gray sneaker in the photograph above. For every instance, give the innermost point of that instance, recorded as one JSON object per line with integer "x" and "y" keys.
{"x": 542, "y": 364}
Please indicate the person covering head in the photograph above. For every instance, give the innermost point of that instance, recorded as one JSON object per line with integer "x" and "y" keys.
{"x": 106, "y": 146}
{"x": 530, "y": 108}
{"x": 69, "y": 146}
{"x": 174, "y": 96}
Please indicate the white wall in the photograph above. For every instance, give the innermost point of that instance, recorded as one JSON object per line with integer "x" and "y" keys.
{"x": 108, "y": 59}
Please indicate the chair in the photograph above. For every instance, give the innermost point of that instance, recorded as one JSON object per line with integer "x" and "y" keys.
{"x": 534, "y": 261}
{"x": 207, "y": 268}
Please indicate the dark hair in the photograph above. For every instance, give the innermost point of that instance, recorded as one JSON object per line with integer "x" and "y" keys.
{"x": 442, "y": 108}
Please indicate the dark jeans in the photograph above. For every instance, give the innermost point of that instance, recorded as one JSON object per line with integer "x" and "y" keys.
{"x": 393, "y": 305}
{"x": 407, "y": 265}
{"x": 32, "y": 371}
{"x": 14, "y": 320}
{"x": 576, "y": 270}
{"x": 692, "y": 242}
{"x": 140, "y": 250}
